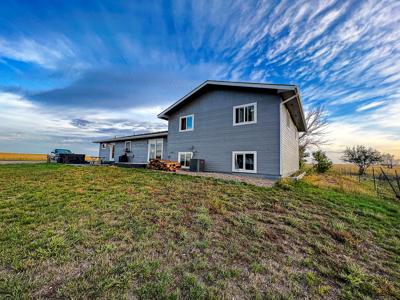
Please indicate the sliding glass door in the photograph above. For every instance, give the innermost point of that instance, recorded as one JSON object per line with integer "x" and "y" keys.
{"x": 155, "y": 149}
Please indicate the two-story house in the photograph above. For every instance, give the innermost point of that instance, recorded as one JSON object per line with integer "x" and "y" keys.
{"x": 236, "y": 127}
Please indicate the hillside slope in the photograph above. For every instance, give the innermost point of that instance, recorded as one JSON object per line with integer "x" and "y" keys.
{"x": 112, "y": 232}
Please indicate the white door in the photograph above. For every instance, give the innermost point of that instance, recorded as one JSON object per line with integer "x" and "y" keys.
{"x": 155, "y": 150}
{"x": 184, "y": 159}
{"x": 112, "y": 152}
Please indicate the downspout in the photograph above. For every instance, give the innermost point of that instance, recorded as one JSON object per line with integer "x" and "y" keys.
{"x": 288, "y": 99}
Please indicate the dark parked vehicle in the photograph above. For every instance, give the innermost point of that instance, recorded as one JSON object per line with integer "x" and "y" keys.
{"x": 66, "y": 156}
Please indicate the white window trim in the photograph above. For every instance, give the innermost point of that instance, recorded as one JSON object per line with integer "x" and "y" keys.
{"x": 244, "y": 105}
{"x": 148, "y": 147}
{"x": 111, "y": 146}
{"x": 179, "y": 155}
{"x": 180, "y": 123}
{"x": 103, "y": 146}
{"x": 130, "y": 145}
{"x": 244, "y": 171}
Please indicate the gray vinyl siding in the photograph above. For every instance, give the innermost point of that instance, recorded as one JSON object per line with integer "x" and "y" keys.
{"x": 138, "y": 154}
{"x": 104, "y": 153}
{"x": 289, "y": 144}
{"x": 214, "y": 137}
{"x": 165, "y": 148}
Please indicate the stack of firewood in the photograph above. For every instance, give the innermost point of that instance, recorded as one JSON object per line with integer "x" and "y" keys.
{"x": 164, "y": 165}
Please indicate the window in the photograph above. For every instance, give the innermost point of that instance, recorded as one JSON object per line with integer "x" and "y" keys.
{"x": 288, "y": 119}
{"x": 186, "y": 123}
{"x": 244, "y": 161}
{"x": 128, "y": 146}
{"x": 245, "y": 114}
{"x": 184, "y": 159}
{"x": 62, "y": 151}
{"x": 103, "y": 146}
{"x": 155, "y": 149}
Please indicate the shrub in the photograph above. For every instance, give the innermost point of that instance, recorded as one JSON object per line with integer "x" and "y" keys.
{"x": 362, "y": 156}
{"x": 323, "y": 163}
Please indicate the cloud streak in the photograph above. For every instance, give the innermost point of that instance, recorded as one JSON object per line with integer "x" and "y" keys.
{"x": 32, "y": 51}
{"x": 370, "y": 105}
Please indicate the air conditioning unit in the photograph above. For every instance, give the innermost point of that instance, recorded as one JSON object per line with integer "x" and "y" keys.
{"x": 197, "y": 165}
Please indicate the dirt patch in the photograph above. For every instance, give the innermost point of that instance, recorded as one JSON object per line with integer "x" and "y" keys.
{"x": 230, "y": 177}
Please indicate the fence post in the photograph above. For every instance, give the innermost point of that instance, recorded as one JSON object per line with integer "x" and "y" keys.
{"x": 393, "y": 188}
{"x": 397, "y": 179}
{"x": 373, "y": 175}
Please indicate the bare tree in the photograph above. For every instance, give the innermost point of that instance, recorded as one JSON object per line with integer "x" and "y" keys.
{"x": 362, "y": 156}
{"x": 316, "y": 131}
{"x": 388, "y": 160}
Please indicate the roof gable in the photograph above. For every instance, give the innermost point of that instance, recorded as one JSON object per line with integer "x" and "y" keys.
{"x": 289, "y": 94}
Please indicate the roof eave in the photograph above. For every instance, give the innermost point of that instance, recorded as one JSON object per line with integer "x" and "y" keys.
{"x": 292, "y": 100}
{"x": 133, "y": 137}
{"x": 303, "y": 118}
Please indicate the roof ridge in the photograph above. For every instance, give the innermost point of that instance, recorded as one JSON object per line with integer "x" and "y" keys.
{"x": 248, "y": 82}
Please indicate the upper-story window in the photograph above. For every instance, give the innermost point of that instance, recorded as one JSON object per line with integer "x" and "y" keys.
{"x": 245, "y": 114}
{"x": 103, "y": 146}
{"x": 186, "y": 123}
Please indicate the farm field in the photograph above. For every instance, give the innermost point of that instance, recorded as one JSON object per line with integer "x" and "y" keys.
{"x": 107, "y": 232}
{"x": 6, "y": 156}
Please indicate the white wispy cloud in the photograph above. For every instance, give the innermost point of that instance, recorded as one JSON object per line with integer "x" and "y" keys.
{"x": 370, "y": 105}
{"x": 46, "y": 54}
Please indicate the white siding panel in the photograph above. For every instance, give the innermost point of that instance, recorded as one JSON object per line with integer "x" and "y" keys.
{"x": 289, "y": 144}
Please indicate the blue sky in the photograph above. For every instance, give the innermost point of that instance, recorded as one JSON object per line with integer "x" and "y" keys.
{"x": 75, "y": 71}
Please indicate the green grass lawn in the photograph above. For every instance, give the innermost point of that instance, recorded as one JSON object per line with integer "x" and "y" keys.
{"x": 105, "y": 232}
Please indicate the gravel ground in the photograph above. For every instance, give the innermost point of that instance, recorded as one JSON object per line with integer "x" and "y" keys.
{"x": 241, "y": 178}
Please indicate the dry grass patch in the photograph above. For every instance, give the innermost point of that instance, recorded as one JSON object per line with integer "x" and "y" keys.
{"x": 340, "y": 183}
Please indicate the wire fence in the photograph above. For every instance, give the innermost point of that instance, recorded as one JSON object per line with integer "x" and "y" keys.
{"x": 385, "y": 183}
